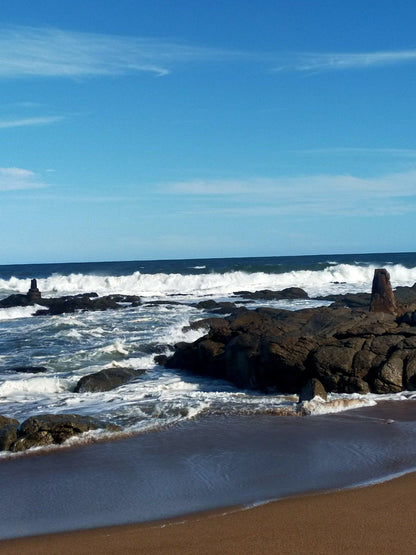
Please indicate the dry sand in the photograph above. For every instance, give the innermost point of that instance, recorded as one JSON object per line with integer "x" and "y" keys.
{"x": 375, "y": 519}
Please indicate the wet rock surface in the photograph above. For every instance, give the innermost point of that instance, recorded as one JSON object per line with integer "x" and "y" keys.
{"x": 107, "y": 379}
{"x": 27, "y": 369}
{"x": 347, "y": 349}
{"x": 290, "y": 293}
{"x": 46, "y": 429}
{"x": 68, "y": 303}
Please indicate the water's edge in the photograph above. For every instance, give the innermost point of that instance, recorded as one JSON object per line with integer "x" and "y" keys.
{"x": 205, "y": 464}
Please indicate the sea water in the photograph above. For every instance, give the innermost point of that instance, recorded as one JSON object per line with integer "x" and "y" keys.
{"x": 71, "y": 346}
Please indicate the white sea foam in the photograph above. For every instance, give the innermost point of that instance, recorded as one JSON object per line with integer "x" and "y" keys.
{"x": 18, "y": 312}
{"x": 32, "y": 386}
{"x": 337, "y": 404}
{"x": 349, "y": 277}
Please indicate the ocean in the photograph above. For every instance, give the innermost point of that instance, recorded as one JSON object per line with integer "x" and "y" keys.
{"x": 71, "y": 346}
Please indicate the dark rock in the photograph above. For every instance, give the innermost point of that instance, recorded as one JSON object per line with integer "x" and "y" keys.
{"x": 160, "y": 359}
{"x": 408, "y": 318}
{"x": 33, "y": 295}
{"x": 346, "y": 350}
{"x": 5, "y": 421}
{"x": 8, "y": 435}
{"x": 290, "y": 293}
{"x": 313, "y": 388}
{"x": 349, "y": 300}
{"x": 28, "y": 369}
{"x": 405, "y": 295}
{"x": 382, "y": 296}
{"x": 217, "y": 307}
{"x": 14, "y": 300}
{"x": 69, "y": 303}
{"x": 46, "y": 429}
{"x": 409, "y": 374}
{"x": 107, "y": 379}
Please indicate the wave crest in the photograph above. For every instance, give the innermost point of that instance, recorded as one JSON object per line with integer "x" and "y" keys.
{"x": 333, "y": 279}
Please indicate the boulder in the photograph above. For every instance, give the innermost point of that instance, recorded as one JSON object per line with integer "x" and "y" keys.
{"x": 8, "y": 435}
{"x": 106, "y": 379}
{"x": 5, "y": 421}
{"x": 382, "y": 296}
{"x": 313, "y": 388}
{"x": 47, "y": 429}
{"x": 8, "y": 432}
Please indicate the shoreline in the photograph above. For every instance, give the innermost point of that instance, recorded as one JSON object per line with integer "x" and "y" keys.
{"x": 373, "y": 519}
{"x": 204, "y": 465}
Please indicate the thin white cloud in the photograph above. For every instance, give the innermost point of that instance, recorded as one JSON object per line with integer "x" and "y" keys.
{"x": 399, "y": 152}
{"x": 315, "y": 194}
{"x": 49, "y": 52}
{"x": 310, "y": 62}
{"x": 28, "y": 122}
{"x": 14, "y": 179}
{"x": 399, "y": 184}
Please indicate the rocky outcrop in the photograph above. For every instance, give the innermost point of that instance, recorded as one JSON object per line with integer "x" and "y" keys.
{"x": 68, "y": 303}
{"x": 382, "y": 296}
{"x": 73, "y": 303}
{"x": 346, "y": 350}
{"x": 107, "y": 379}
{"x": 46, "y": 429}
{"x": 290, "y": 293}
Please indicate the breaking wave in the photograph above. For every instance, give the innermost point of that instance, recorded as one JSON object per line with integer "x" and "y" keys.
{"x": 333, "y": 279}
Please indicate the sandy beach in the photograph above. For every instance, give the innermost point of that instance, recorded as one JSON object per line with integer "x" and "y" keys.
{"x": 374, "y": 519}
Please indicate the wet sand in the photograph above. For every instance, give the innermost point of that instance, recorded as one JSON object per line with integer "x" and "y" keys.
{"x": 219, "y": 462}
{"x": 376, "y": 519}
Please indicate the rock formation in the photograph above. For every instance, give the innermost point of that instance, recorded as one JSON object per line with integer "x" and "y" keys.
{"x": 46, "y": 429}
{"x": 347, "y": 349}
{"x": 33, "y": 295}
{"x": 106, "y": 379}
{"x": 382, "y": 296}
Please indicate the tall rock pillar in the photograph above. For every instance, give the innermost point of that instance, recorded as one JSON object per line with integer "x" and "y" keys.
{"x": 382, "y": 296}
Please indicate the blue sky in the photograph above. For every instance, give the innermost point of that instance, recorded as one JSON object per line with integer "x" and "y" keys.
{"x": 182, "y": 129}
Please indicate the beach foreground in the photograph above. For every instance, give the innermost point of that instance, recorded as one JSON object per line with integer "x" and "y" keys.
{"x": 374, "y": 519}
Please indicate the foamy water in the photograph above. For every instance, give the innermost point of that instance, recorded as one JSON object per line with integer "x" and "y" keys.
{"x": 73, "y": 345}
{"x": 339, "y": 278}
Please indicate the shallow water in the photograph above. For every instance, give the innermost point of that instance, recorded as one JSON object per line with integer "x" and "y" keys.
{"x": 204, "y": 464}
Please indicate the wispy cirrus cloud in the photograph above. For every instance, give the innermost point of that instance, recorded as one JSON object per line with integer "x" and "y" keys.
{"x": 28, "y": 122}
{"x": 314, "y": 194}
{"x": 310, "y": 62}
{"x": 50, "y": 52}
{"x": 14, "y": 179}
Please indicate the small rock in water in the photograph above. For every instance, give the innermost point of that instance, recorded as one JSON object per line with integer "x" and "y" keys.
{"x": 47, "y": 429}
{"x": 313, "y": 388}
{"x": 28, "y": 369}
{"x": 106, "y": 379}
